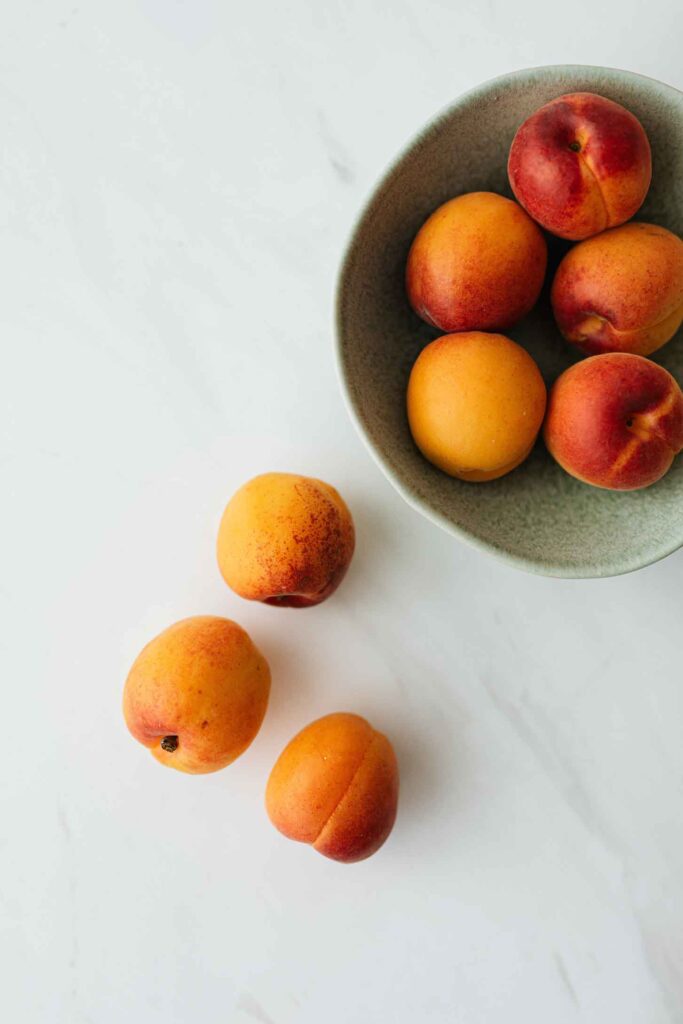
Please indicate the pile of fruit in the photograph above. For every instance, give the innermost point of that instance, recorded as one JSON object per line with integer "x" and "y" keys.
{"x": 579, "y": 167}
{"x": 197, "y": 694}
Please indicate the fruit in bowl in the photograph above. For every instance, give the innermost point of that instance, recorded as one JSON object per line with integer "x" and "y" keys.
{"x": 475, "y": 400}
{"x": 477, "y": 263}
{"x": 615, "y": 421}
{"x": 621, "y": 291}
{"x": 475, "y": 404}
{"x": 580, "y": 164}
{"x": 538, "y": 519}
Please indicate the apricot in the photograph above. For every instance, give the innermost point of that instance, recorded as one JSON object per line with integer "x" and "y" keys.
{"x": 580, "y": 164}
{"x": 285, "y": 540}
{"x": 196, "y": 694}
{"x": 335, "y": 786}
{"x": 477, "y": 263}
{"x": 621, "y": 291}
{"x": 615, "y": 421}
{"x": 475, "y": 404}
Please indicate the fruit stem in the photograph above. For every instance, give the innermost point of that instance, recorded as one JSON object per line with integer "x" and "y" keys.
{"x": 169, "y": 743}
{"x": 576, "y": 146}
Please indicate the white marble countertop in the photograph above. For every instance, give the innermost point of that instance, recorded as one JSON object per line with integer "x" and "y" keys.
{"x": 177, "y": 183}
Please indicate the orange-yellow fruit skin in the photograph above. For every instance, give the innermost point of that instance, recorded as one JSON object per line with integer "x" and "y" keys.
{"x": 580, "y": 164}
{"x": 285, "y": 540}
{"x": 475, "y": 404}
{"x": 621, "y": 291}
{"x": 335, "y": 786}
{"x": 477, "y": 263}
{"x": 615, "y": 421}
{"x": 203, "y": 681}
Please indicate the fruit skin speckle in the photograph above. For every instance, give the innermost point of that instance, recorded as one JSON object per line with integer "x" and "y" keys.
{"x": 615, "y": 421}
{"x": 285, "y": 540}
{"x": 621, "y": 291}
{"x": 477, "y": 263}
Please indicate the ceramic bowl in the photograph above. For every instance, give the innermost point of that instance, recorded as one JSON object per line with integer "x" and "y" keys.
{"x": 537, "y": 517}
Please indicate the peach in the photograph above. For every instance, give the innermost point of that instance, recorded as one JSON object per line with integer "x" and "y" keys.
{"x": 196, "y": 694}
{"x": 477, "y": 263}
{"x": 335, "y": 786}
{"x": 285, "y": 540}
{"x": 615, "y": 421}
{"x": 475, "y": 404}
{"x": 621, "y": 291}
{"x": 580, "y": 164}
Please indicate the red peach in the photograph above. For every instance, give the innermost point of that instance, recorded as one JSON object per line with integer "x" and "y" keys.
{"x": 621, "y": 291}
{"x": 615, "y": 421}
{"x": 580, "y": 164}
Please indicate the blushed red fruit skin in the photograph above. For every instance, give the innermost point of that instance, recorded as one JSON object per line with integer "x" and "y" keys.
{"x": 615, "y": 421}
{"x": 621, "y": 291}
{"x": 476, "y": 264}
{"x": 577, "y": 194}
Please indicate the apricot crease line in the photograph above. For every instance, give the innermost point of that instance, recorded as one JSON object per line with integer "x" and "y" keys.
{"x": 594, "y": 176}
{"x": 332, "y": 813}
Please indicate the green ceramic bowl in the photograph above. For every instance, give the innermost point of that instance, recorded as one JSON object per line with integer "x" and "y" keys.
{"x": 537, "y": 517}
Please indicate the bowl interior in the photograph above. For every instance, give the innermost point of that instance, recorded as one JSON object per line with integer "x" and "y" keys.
{"x": 537, "y": 517}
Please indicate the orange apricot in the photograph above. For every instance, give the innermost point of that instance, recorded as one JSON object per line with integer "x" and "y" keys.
{"x": 475, "y": 404}
{"x": 285, "y": 540}
{"x": 197, "y": 693}
{"x": 477, "y": 263}
{"x": 335, "y": 786}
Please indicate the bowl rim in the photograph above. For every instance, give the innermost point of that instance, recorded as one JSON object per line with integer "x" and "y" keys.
{"x": 599, "y": 570}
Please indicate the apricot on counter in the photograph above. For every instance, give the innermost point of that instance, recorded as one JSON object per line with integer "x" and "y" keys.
{"x": 621, "y": 291}
{"x": 475, "y": 404}
{"x": 285, "y": 540}
{"x": 615, "y": 421}
{"x": 196, "y": 694}
{"x": 580, "y": 164}
{"x": 477, "y": 263}
{"x": 335, "y": 786}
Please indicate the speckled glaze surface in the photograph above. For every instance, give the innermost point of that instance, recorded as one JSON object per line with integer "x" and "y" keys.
{"x": 537, "y": 518}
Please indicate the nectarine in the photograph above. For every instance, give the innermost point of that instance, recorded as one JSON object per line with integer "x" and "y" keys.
{"x": 580, "y": 164}
{"x": 615, "y": 421}
{"x": 621, "y": 291}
